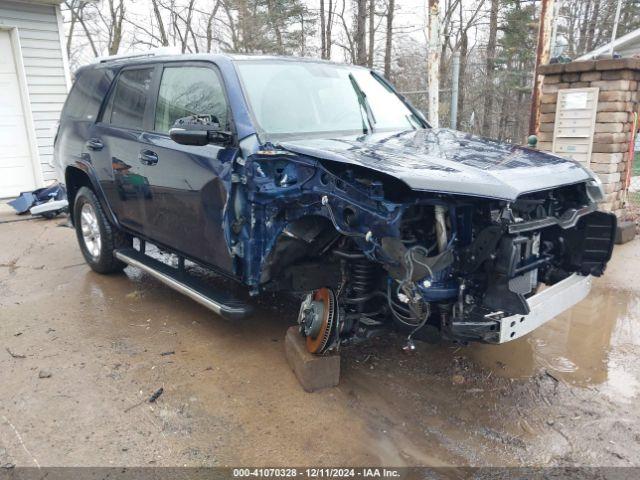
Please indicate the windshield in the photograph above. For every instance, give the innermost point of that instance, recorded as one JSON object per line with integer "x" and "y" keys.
{"x": 289, "y": 99}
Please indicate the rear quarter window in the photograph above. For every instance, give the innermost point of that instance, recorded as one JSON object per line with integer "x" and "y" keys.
{"x": 85, "y": 98}
{"x": 128, "y": 102}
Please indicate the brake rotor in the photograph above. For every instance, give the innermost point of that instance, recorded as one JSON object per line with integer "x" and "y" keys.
{"x": 318, "y": 320}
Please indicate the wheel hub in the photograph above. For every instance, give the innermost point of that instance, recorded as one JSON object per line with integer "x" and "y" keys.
{"x": 318, "y": 320}
{"x": 311, "y": 316}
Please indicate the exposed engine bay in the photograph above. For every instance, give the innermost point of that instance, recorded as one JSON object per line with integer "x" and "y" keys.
{"x": 369, "y": 253}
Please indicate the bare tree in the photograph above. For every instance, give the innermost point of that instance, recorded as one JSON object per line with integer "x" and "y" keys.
{"x": 490, "y": 66}
{"x": 210, "y": 19}
{"x": 433, "y": 61}
{"x": 446, "y": 32}
{"x": 389, "y": 40}
{"x": 490, "y": 35}
{"x": 72, "y": 25}
{"x": 164, "y": 41}
{"x": 360, "y": 38}
{"x": 274, "y": 19}
{"x": 77, "y": 11}
{"x": 114, "y": 25}
{"x": 323, "y": 31}
{"x": 372, "y": 32}
{"x": 350, "y": 46}
{"x": 329, "y": 28}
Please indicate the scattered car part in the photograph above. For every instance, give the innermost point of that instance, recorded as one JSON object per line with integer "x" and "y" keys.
{"x": 48, "y": 201}
{"x": 50, "y": 209}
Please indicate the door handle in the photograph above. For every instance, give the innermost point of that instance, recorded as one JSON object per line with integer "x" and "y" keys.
{"x": 95, "y": 144}
{"x": 147, "y": 157}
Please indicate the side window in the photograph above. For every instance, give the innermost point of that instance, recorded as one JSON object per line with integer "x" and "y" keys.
{"x": 129, "y": 99}
{"x": 188, "y": 91}
{"x": 87, "y": 93}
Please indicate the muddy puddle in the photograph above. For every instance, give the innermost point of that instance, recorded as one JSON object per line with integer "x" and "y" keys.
{"x": 584, "y": 347}
{"x": 564, "y": 395}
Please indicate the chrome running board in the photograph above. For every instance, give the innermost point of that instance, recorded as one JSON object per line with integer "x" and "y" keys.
{"x": 219, "y": 302}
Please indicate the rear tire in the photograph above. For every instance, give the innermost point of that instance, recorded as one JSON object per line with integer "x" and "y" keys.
{"x": 96, "y": 236}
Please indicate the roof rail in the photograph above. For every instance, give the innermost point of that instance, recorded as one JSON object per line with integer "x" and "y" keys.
{"x": 151, "y": 53}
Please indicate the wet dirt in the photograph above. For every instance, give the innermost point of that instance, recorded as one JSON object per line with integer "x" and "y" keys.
{"x": 567, "y": 394}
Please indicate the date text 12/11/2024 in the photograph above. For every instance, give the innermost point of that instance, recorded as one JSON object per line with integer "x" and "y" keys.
{"x": 316, "y": 472}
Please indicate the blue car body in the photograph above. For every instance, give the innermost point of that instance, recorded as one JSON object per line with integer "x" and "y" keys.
{"x": 296, "y": 213}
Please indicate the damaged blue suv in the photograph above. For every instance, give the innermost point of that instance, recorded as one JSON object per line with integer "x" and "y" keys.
{"x": 318, "y": 178}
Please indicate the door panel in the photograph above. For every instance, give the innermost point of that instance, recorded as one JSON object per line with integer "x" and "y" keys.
{"x": 187, "y": 194}
{"x": 187, "y": 198}
{"x": 114, "y": 145}
{"x": 122, "y": 175}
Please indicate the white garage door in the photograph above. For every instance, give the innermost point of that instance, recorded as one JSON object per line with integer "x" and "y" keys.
{"x": 16, "y": 171}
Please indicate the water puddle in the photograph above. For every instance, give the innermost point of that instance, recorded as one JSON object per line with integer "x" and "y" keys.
{"x": 590, "y": 345}
{"x": 595, "y": 344}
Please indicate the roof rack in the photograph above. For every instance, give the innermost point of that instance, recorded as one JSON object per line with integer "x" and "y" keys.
{"x": 151, "y": 53}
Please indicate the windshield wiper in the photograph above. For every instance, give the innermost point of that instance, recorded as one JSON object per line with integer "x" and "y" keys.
{"x": 364, "y": 104}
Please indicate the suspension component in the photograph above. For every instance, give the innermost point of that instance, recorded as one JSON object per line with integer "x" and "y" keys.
{"x": 362, "y": 281}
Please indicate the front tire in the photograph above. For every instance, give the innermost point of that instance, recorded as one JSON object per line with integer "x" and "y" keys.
{"x": 96, "y": 236}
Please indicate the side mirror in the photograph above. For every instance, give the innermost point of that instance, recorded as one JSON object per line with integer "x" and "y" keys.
{"x": 189, "y": 137}
{"x": 199, "y": 130}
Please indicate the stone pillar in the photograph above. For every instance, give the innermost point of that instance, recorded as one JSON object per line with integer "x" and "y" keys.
{"x": 618, "y": 81}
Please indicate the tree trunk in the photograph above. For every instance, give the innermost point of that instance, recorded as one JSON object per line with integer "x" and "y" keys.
{"x": 117, "y": 17}
{"x": 360, "y": 35}
{"x": 433, "y": 62}
{"x": 591, "y": 30}
{"x": 212, "y": 16}
{"x": 329, "y": 28}
{"x": 243, "y": 30}
{"x": 163, "y": 33}
{"x": 444, "y": 70}
{"x": 303, "y": 45}
{"x": 445, "y": 35}
{"x": 274, "y": 19}
{"x": 504, "y": 117}
{"x": 490, "y": 64}
{"x": 323, "y": 32}
{"x": 71, "y": 29}
{"x": 78, "y": 14}
{"x": 187, "y": 27}
{"x": 235, "y": 41}
{"x": 372, "y": 12}
{"x": 389, "y": 40}
{"x": 583, "y": 22}
{"x": 464, "y": 51}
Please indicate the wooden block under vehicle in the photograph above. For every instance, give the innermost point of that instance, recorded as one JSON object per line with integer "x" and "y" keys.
{"x": 625, "y": 232}
{"x": 314, "y": 372}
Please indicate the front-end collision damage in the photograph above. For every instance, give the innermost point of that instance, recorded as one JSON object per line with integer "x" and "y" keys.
{"x": 370, "y": 252}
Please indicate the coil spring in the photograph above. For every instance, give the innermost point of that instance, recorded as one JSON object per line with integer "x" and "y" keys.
{"x": 362, "y": 276}
{"x": 362, "y": 280}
